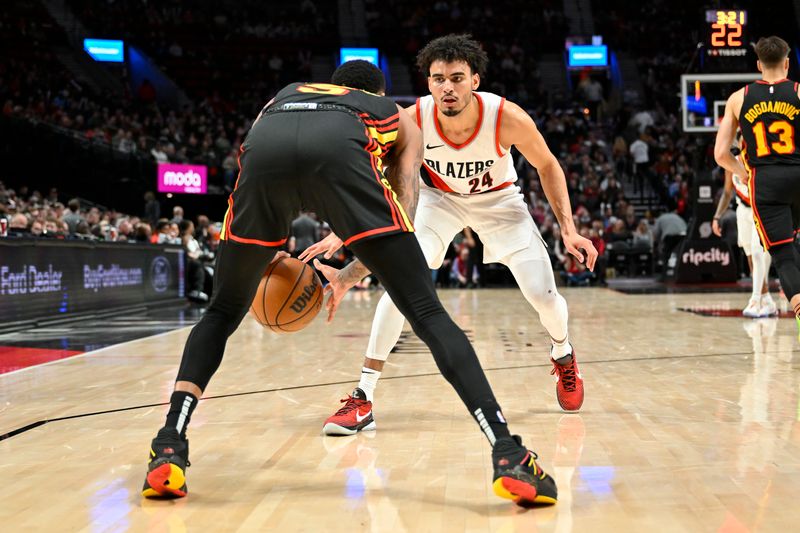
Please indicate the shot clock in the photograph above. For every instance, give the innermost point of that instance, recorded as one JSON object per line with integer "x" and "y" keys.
{"x": 726, "y": 33}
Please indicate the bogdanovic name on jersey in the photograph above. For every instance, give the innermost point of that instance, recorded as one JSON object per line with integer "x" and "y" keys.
{"x": 459, "y": 169}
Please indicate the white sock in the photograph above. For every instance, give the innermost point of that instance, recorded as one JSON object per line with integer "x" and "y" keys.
{"x": 562, "y": 349}
{"x": 368, "y": 382}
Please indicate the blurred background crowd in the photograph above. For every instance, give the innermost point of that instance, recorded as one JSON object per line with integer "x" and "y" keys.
{"x": 629, "y": 167}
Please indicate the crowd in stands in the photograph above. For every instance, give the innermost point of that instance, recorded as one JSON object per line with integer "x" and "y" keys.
{"x": 231, "y": 56}
{"x": 627, "y": 163}
{"x": 513, "y": 38}
{"x": 30, "y": 214}
{"x": 231, "y": 89}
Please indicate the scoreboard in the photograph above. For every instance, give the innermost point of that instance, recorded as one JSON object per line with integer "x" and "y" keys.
{"x": 725, "y": 33}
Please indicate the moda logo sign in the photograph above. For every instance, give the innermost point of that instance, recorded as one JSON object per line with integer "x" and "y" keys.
{"x": 188, "y": 179}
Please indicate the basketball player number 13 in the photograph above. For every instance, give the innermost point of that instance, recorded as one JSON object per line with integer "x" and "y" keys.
{"x": 784, "y": 144}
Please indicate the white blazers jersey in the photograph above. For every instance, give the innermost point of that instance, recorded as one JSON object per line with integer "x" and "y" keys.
{"x": 479, "y": 164}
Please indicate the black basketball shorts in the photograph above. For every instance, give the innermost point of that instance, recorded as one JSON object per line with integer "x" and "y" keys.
{"x": 775, "y": 197}
{"x": 316, "y": 161}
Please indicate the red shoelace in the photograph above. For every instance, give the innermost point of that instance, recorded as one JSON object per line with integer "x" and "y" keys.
{"x": 350, "y": 403}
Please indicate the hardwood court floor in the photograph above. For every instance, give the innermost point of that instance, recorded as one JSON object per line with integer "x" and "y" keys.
{"x": 690, "y": 424}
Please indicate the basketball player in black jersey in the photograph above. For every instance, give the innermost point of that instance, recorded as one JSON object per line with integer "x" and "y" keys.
{"x": 324, "y": 147}
{"x": 768, "y": 113}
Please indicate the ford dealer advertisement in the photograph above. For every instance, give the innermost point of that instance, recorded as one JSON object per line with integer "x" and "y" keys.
{"x": 190, "y": 179}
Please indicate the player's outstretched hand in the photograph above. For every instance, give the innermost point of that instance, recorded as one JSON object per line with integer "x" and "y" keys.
{"x": 575, "y": 244}
{"x": 327, "y": 246}
{"x": 336, "y": 287}
{"x": 715, "y": 228}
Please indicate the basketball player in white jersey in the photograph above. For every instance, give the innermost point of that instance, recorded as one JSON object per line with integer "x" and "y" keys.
{"x": 468, "y": 180}
{"x": 761, "y": 303}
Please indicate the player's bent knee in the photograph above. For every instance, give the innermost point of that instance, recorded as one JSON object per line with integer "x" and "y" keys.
{"x": 542, "y": 298}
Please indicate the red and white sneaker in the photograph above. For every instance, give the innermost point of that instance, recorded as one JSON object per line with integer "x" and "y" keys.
{"x": 355, "y": 416}
{"x": 569, "y": 384}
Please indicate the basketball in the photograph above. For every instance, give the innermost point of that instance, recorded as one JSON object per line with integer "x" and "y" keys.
{"x": 289, "y": 296}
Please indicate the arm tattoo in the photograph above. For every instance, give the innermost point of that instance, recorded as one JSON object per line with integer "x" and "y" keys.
{"x": 406, "y": 187}
{"x": 354, "y": 272}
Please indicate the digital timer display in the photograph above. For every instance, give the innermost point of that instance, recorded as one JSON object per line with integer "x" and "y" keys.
{"x": 726, "y": 32}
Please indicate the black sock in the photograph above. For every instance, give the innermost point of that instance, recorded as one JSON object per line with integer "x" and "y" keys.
{"x": 508, "y": 445}
{"x": 181, "y": 407}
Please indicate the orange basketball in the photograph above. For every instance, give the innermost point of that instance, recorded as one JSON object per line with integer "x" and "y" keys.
{"x": 289, "y": 296}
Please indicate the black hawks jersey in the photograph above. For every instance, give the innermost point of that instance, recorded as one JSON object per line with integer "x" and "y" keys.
{"x": 769, "y": 120}
{"x": 379, "y": 114}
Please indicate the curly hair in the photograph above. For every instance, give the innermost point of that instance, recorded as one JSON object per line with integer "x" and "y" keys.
{"x": 453, "y": 47}
{"x": 360, "y": 74}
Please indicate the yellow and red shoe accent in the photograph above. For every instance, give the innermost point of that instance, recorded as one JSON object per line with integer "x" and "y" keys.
{"x": 166, "y": 471}
{"x": 165, "y": 480}
{"x": 523, "y": 481}
{"x": 569, "y": 384}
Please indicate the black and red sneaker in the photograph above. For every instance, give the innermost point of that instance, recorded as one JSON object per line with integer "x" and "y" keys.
{"x": 518, "y": 477}
{"x": 355, "y": 416}
{"x": 166, "y": 472}
{"x": 569, "y": 383}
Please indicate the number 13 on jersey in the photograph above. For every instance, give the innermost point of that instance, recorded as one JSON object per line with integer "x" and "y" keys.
{"x": 784, "y": 144}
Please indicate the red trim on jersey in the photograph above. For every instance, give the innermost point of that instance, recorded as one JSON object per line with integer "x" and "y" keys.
{"x": 268, "y": 244}
{"x": 383, "y": 129}
{"x": 375, "y": 231}
{"x": 471, "y": 137}
{"x": 368, "y": 233}
{"x": 742, "y": 197}
{"x": 387, "y": 195}
{"x": 762, "y": 82}
{"x": 396, "y": 226}
{"x": 437, "y": 181}
{"x": 746, "y": 88}
{"x": 419, "y": 114}
{"x": 373, "y": 122}
{"x": 497, "y": 128}
{"x": 795, "y": 86}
